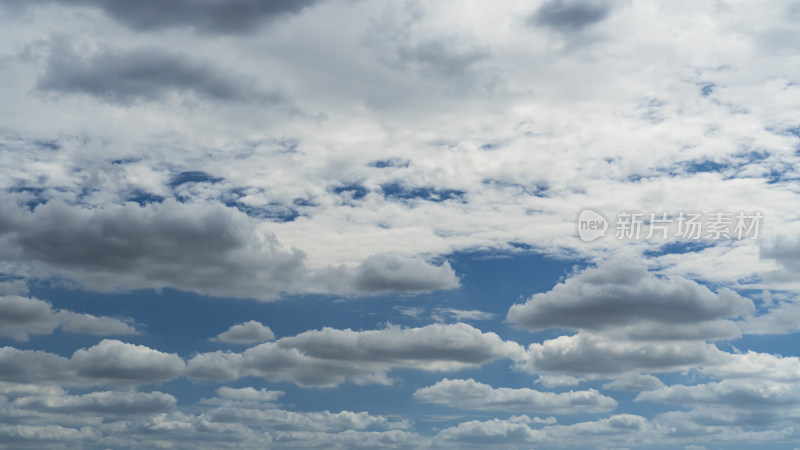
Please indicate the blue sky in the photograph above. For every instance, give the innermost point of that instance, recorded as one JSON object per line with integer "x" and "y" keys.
{"x": 345, "y": 224}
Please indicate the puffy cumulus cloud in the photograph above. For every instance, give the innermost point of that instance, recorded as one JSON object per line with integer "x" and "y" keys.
{"x": 749, "y": 404}
{"x": 329, "y": 357}
{"x": 780, "y": 318}
{"x": 201, "y": 247}
{"x": 32, "y": 366}
{"x": 757, "y": 366}
{"x": 592, "y": 355}
{"x": 125, "y": 419}
{"x": 110, "y": 362}
{"x": 634, "y": 382}
{"x": 116, "y": 362}
{"x": 627, "y": 299}
{"x": 128, "y": 76}
{"x": 21, "y": 317}
{"x": 248, "y": 394}
{"x": 728, "y": 393}
{"x": 615, "y": 430}
{"x": 392, "y": 273}
{"x": 246, "y": 333}
{"x": 470, "y": 394}
{"x": 229, "y": 16}
{"x": 105, "y": 403}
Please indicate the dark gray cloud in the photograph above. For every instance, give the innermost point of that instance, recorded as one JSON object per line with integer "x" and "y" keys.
{"x": 216, "y": 16}
{"x": 391, "y": 273}
{"x": 627, "y": 299}
{"x": 200, "y": 247}
{"x": 126, "y": 76}
{"x": 571, "y": 15}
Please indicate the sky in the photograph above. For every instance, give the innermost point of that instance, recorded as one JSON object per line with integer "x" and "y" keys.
{"x": 399, "y": 224}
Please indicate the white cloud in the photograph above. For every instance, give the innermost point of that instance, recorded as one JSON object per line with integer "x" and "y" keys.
{"x": 329, "y": 357}
{"x": 634, "y": 382}
{"x": 470, "y": 394}
{"x": 592, "y": 355}
{"x": 105, "y": 403}
{"x": 246, "y": 333}
{"x": 459, "y": 315}
{"x": 116, "y": 362}
{"x": 615, "y": 430}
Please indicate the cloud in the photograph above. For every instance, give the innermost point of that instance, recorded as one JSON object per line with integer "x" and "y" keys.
{"x": 392, "y": 273}
{"x": 634, "y": 382}
{"x": 22, "y": 316}
{"x": 116, "y": 362}
{"x": 246, "y": 333}
{"x": 617, "y": 429}
{"x": 473, "y": 395}
{"x": 128, "y": 76}
{"x": 248, "y": 394}
{"x": 593, "y": 355}
{"x": 727, "y": 393}
{"x": 571, "y": 15}
{"x": 625, "y": 299}
{"x": 329, "y": 357}
{"x": 757, "y": 366}
{"x": 110, "y": 362}
{"x": 105, "y": 403}
{"x": 214, "y": 16}
{"x": 459, "y": 315}
{"x": 244, "y": 418}
{"x": 200, "y": 247}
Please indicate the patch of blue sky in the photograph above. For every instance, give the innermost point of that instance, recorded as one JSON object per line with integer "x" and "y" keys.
{"x": 354, "y": 191}
{"x": 399, "y": 191}
{"x": 143, "y": 197}
{"x": 192, "y": 176}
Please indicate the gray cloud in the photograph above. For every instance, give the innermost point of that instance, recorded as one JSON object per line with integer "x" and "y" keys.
{"x": 217, "y": 16}
{"x": 115, "y": 362}
{"x": 329, "y": 357}
{"x": 201, "y": 247}
{"x": 628, "y": 300}
{"x": 470, "y": 394}
{"x": 570, "y": 15}
{"x": 22, "y": 316}
{"x": 392, "y": 273}
{"x": 110, "y": 362}
{"x": 592, "y": 355}
{"x": 127, "y": 76}
{"x": 246, "y": 333}
{"x": 106, "y": 403}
